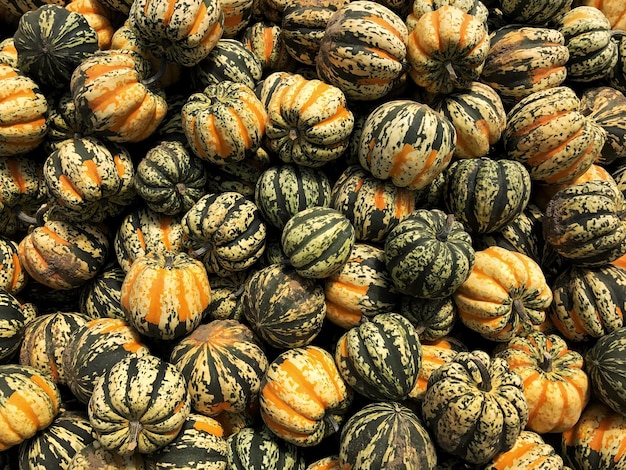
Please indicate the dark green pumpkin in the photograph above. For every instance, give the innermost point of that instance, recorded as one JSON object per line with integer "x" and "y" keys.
{"x": 606, "y": 365}
{"x": 51, "y": 41}
{"x": 383, "y": 433}
{"x": 170, "y": 179}
{"x": 428, "y": 254}
{"x": 285, "y": 309}
{"x": 259, "y": 449}
{"x": 12, "y": 324}
{"x": 486, "y": 194}
{"x": 432, "y": 318}
{"x": 100, "y": 297}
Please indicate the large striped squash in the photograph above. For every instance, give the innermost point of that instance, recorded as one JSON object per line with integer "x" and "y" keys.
{"x": 223, "y": 363}
{"x": 363, "y": 50}
{"x": 257, "y": 448}
{"x": 406, "y": 142}
{"x": 382, "y": 433}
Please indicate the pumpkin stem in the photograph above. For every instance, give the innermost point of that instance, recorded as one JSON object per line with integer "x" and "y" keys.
{"x": 135, "y": 428}
{"x": 200, "y": 252}
{"x": 331, "y": 421}
{"x": 444, "y": 233}
{"x": 546, "y": 364}
{"x": 520, "y": 310}
{"x": 485, "y": 377}
{"x": 451, "y": 72}
{"x": 24, "y": 217}
{"x": 237, "y": 293}
{"x": 157, "y": 76}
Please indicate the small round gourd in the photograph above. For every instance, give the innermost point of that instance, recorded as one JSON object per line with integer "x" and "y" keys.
{"x": 607, "y": 107}
{"x": 605, "y": 365}
{"x": 419, "y": 8}
{"x": 318, "y": 241}
{"x": 98, "y": 16}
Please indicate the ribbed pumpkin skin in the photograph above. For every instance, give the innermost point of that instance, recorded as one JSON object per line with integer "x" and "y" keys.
{"x": 584, "y": 223}
{"x": 318, "y": 241}
{"x": 45, "y": 338}
{"x": 282, "y": 307}
{"x": 373, "y": 206}
{"x": 432, "y": 318}
{"x": 170, "y": 179}
{"x": 504, "y": 296}
{"x": 91, "y": 179}
{"x": 486, "y": 194}
{"x": 446, "y": 49}
{"x": 165, "y": 294}
{"x": 100, "y": 297}
{"x": 381, "y": 357}
{"x": 309, "y": 123}
{"x": 556, "y": 386}
{"x": 50, "y": 42}
{"x": 184, "y": 32}
{"x": 382, "y": 433}
{"x": 13, "y": 321}
{"x": 55, "y": 446}
{"x": 259, "y": 449}
{"x": 98, "y": 17}
{"x": 363, "y": 50}
{"x": 607, "y": 107}
{"x": 548, "y": 134}
{"x": 596, "y": 440}
{"x": 283, "y": 191}
{"x": 200, "y": 444}
{"x": 139, "y": 405}
{"x": 363, "y": 288}
{"x": 64, "y": 255}
{"x": 240, "y": 177}
{"x": 523, "y": 60}
{"x": 589, "y": 302}
{"x": 225, "y": 296}
{"x": 407, "y": 142}
{"x": 111, "y": 96}
{"x": 301, "y": 391}
{"x": 227, "y": 230}
{"x": 8, "y": 53}
{"x": 428, "y": 254}
{"x": 529, "y": 452}
{"x": 144, "y": 230}
{"x": 22, "y": 113}
{"x": 264, "y": 40}
{"x": 224, "y": 123}
{"x": 613, "y": 10}
{"x": 13, "y": 277}
{"x": 29, "y": 402}
{"x": 419, "y": 8}
{"x": 494, "y": 408}
{"x": 605, "y": 366}
{"x": 94, "y": 348}
{"x": 223, "y": 363}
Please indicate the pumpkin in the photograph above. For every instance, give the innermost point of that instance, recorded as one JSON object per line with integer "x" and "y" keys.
{"x": 478, "y": 117}
{"x": 285, "y": 309}
{"x": 419, "y": 8}
{"x": 556, "y": 386}
{"x": 90, "y": 179}
{"x": 98, "y": 17}
{"x": 29, "y": 402}
{"x": 183, "y": 33}
{"x": 382, "y": 433}
{"x": 200, "y": 444}
{"x": 406, "y": 142}
{"x": 303, "y": 396}
{"x": 363, "y": 50}
{"x": 523, "y": 60}
{"x": 100, "y": 297}
{"x": 605, "y": 366}
{"x": 13, "y": 277}
{"x": 226, "y": 296}
{"x": 541, "y": 12}
{"x": 139, "y": 405}
{"x": 165, "y": 295}
{"x": 531, "y": 452}
{"x": 237, "y": 15}
{"x": 606, "y": 106}
{"x": 264, "y": 39}
{"x": 583, "y": 223}
{"x": 612, "y": 9}
{"x": 50, "y": 42}
{"x": 361, "y": 289}
{"x": 446, "y": 49}
{"x": 596, "y": 441}
{"x": 64, "y": 255}
{"x": 226, "y": 230}
{"x": 23, "y": 111}
{"x": 93, "y": 349}
{"x": 170, "y": 179}
{"x": 112, "y": 93}
{"x": 432, "y": 318}
{"x": 442, "y": 246}
{"x": 475, "y": 407}
{"x": 45, "y": 338}
{"x": 259, "y": 449}
{"x": 318, "y": 241}
{"x": 8, "y": 53}
{"x": 144, "y": 230}
{"x": 58, "y": 443}
{"x": 224, "y": 123}
{"x": 309, "y": 123}
{"x": 223, "y": 363}
{"x": 95, "y": 455}
{"x": 547, "y": 132}
{"x": 13, "y": 322}
{"x": 283, "y": 191}
{"x": 505, "y": 294}
{"x": 588, "y": 302}
{"x": 381, "y": 357}
{"x": 485, "y": 194}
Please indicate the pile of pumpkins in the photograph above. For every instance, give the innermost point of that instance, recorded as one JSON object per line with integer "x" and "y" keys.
{"x": 312, "y": 234}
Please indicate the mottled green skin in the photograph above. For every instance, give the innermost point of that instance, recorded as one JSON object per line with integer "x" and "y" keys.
{"x": 538, "y": 12}
{"x": 12, "y": 324}
{"x": 28, "y": 191}
{"x": 605, "y": 366}
{"x": 63, "y": 121}
{"x": 386, "y": 435}
{"x": 432, "y": 318}
{"x": 303, "y": 28}
{"x": 100, "y": 297}
{"x": 530, "y": 451}
{"x": 607, "y": 107}
{"x": 258, "y": 449}
{"x": 12, "y": 277}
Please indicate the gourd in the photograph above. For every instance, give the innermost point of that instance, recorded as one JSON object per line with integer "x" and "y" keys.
{"x": 606, "y": 106}
{"x": 95, "y": 455}
{"x": 540, "y": 13}
{"x": 100, "y": 297}
{"x": 419, "y": 8}
{"x": 264, "y": 40}
{"x": 257, "y": 448}
{"x": 97, "y": 16}
{"x": 433, "y": 319}
{"x": 530, "y": 452}
{"x": 13, "y": 322}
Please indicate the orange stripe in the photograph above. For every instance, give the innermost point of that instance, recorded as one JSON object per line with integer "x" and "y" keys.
{"x": 197, "y": 23}
{"x": 41, "y": 383}
{"x": 68, "y": 186}
{"x": 165, "y": 226}
{"x": 91, "y": 171}
{"x": 55, "y": 236}
{"x": 509, "y": 459}
{"x": 211, "y": 427}
{"x": 155, "y": 291}
{"x": 16, "y": 400}
{"x": 540, "y": 121}
{"x": 597, "y": 441}
{"x": 17, "y": 271}
{"x": 14, "y": 170}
